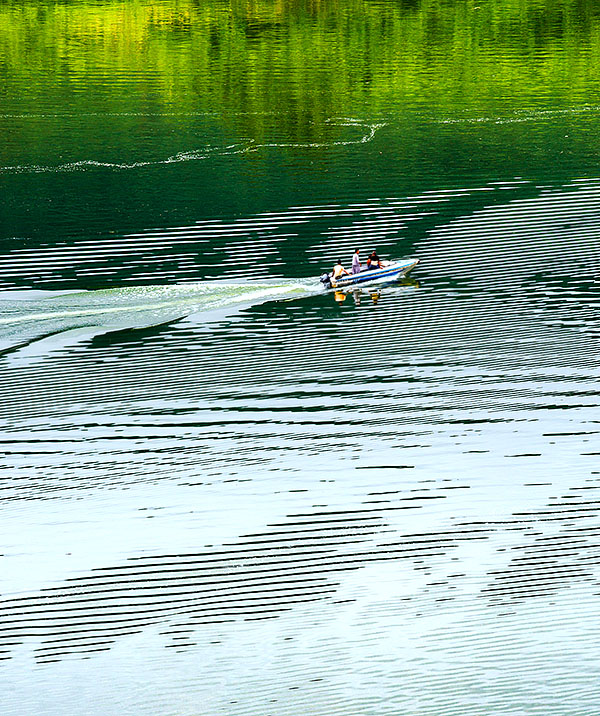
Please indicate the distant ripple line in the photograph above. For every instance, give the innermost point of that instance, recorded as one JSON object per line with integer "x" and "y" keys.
{"x": 521, "y": 117}
{"x": 61, "y": 115}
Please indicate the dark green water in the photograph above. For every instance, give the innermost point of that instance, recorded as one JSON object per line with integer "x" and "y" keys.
{"x": 223, "y": 491}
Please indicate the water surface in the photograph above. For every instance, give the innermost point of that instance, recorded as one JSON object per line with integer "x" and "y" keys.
{"x": 225, "y": 491}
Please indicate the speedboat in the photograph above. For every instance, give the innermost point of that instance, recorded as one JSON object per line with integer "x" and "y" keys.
{"x": 389, "y": 271}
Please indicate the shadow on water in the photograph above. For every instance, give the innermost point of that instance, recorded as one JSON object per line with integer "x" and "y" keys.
{"x": 134, "y": 336}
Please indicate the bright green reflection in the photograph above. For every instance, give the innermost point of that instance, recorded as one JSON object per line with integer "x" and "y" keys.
{"x": 312, "y": 59}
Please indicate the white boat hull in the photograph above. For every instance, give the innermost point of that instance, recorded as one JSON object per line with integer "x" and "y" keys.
{"x": 393, "y": 270}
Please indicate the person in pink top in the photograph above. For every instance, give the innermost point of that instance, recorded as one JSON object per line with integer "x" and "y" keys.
{"x": 356, "y": 262}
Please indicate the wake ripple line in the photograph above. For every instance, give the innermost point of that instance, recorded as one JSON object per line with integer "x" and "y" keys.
{"x": 197, "y": 154}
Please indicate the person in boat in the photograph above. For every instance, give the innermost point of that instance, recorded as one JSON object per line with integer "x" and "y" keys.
{"x": 339, "y": 270}
{"x": 374, "y": 261}
{"x": 356, "y": 262}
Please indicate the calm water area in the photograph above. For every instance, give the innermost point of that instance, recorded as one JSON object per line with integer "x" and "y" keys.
{"x": 224, "y": 490}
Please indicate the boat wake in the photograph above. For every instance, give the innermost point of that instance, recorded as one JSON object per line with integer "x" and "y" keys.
{"x": 34, "y": 327}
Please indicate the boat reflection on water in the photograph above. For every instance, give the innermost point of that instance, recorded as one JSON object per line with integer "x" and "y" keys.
{"x": 358, "y": 295}
{"x": 372, "y": 293}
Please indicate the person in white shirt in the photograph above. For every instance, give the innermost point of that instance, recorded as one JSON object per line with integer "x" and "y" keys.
{"x": 339, "y": 270}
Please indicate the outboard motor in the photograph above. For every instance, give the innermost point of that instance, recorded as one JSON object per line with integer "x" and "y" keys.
{"x": 325, "y": 279}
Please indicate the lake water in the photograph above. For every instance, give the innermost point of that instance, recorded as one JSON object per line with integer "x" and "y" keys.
{"x": 226, "y": 491}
